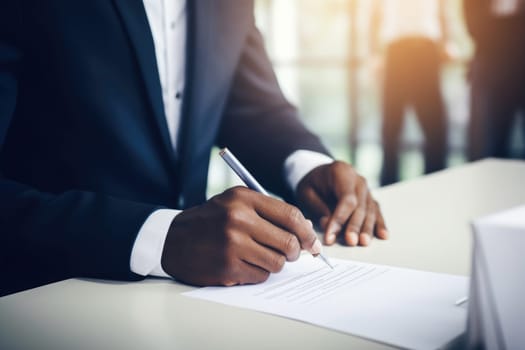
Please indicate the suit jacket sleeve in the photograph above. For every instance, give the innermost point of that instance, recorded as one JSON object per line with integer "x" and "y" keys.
{"x": 259, "y": 125}
{"x": 46, "y": 237}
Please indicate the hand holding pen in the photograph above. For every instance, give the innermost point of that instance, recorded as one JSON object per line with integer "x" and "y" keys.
{"x": 237, "y": 237}
{"x": 252, "y": 183}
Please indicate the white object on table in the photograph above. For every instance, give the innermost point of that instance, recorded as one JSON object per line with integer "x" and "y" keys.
{"x": 496, "y": 305}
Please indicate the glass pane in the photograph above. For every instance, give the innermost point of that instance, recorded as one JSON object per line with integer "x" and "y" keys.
{"x": 309, "y": 42}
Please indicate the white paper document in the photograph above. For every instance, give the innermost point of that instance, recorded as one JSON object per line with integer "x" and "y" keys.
{"x": 401, "y": 307}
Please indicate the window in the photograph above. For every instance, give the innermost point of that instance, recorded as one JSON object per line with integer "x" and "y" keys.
{"x": 320, "y": 54}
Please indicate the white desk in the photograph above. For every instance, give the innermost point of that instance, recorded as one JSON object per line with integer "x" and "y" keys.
{"x": 429, "y": 223}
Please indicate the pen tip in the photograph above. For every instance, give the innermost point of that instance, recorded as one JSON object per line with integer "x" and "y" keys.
{"x": 326, "y": 261}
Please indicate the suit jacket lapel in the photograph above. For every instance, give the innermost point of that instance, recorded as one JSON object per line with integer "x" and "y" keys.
{"x": 135, "y": 21}
{"x": 216, "y": 29}
{"x": 198, "y": 80}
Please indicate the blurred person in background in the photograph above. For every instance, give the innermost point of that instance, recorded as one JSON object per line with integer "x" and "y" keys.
{"x": 497, "y": 74}
{"x": 413, "y": 35}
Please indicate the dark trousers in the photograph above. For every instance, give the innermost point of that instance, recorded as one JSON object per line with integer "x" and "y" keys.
{"x": 497, "y": 97}
{"x": 412, "y": 79}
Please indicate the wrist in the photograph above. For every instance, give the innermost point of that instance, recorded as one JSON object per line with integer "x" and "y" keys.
{"x": 302, "y": 162}
{"x": 149, "y": 245}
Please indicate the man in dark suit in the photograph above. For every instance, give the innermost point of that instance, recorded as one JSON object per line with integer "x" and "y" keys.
{"x": 497, "y": 74}
{"x": 108, "y": 112}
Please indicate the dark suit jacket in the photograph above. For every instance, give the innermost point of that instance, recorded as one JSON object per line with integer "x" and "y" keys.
{"x": 85, "y": 154}
{"x": 498, "y": 40}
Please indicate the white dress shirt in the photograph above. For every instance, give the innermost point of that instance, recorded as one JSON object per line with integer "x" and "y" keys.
{"x": 407, "y": 18}
{"x": 505, "y": 8}
{"x": 167, "y": 20}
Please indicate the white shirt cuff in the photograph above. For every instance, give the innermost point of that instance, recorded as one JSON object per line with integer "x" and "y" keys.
{"x": 300, "y": 163}
{"x": 147, "y": 251}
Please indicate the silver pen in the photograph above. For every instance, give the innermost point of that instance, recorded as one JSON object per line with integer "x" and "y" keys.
{"x": 250, "y": 181}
